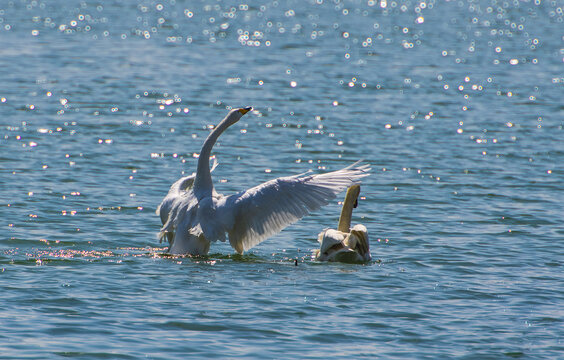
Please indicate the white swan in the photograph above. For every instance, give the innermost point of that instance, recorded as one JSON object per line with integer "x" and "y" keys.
{"x": 194, "y": 215}
{"x": 176, "y": 190}
{"x": 345, "y": 244}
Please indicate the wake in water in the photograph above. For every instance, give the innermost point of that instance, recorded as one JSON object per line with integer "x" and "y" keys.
{"x": 50, "y": 256}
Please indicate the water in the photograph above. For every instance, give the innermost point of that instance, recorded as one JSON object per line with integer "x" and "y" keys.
{"x": 457, "y": 105}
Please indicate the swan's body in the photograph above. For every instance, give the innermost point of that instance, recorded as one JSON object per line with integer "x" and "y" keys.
{"x": 194, "y": 215}
{"x": 345, "y": 244}
{"x": 176, "y": 190}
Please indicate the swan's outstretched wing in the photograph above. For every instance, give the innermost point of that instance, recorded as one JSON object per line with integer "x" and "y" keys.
{"x": 268, "y": 208}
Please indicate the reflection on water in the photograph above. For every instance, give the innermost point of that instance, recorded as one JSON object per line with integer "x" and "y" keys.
{"x": 457, "y": 106}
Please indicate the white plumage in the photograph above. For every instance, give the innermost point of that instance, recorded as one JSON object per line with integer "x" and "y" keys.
{"x": 194, "y": 215}
{"x": 345, "y": 244}
{"x": 178, "y": 188}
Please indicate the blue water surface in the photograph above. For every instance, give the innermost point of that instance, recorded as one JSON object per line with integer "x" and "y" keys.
{"x": 458, "y": 106}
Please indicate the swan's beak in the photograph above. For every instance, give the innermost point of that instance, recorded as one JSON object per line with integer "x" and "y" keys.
{"x": 245, "y": 110}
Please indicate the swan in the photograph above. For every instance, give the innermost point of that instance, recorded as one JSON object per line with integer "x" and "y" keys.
{"x": 345, "y": 244}
{"x": 194, "y": 215}
{"x": 176, "y": 190}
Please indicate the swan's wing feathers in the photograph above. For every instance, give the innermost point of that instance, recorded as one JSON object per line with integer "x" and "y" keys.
{"x": 360, "y": 234}
{"x": 268, "y": 208}
{"x": 178, "y": 188}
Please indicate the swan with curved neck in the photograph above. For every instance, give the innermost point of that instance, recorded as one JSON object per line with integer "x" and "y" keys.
{"x": 345, "y": 244}
{"x": 194, "y": 215}
{"x": 203, "y": 185}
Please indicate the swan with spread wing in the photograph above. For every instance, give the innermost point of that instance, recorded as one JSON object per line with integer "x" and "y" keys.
{"x": 194, "y": 215}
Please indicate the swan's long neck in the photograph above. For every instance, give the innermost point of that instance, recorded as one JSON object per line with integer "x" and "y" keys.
{"x": 348, "y": 206}
{"x": 203, "y": 185}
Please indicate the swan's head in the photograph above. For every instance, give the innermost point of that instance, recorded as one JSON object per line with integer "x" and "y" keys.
{"x": 354, "y": 191}
{"x": 245, "y": 109}
{"x": 236, "y": 114}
